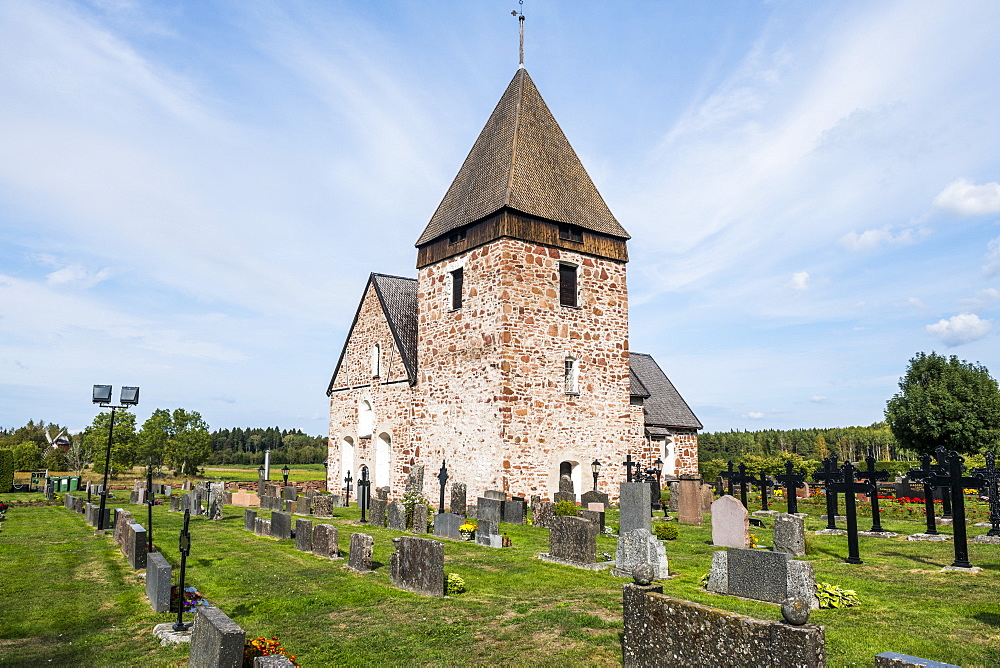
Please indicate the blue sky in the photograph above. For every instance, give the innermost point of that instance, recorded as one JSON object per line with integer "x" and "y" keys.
{"x": 192, "y": 194}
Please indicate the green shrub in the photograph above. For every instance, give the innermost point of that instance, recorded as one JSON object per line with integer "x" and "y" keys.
{"x": 835, "y": 596}
{"x": 6, "y": 470}
{"x": 456, "y": 585}
{"x": 565, "y": 507}
{"x": 666, "y": 531}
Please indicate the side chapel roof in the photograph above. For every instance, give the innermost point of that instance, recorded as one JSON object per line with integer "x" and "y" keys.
{"x": 398, "y": 297}
{"x": 522, "y": 160}
{"x": 664, "y": 405}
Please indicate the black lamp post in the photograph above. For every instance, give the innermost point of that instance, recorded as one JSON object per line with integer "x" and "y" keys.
{"x": 658, "y": 468}
{"x": 284, "y": 473}
{"x": 102, "y": 396}
{"x": 596, "y": 469}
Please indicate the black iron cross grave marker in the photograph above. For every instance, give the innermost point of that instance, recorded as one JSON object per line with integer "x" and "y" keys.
{"x": 442, "y": 477}
{"x": 728, "y": 477}
{"x": 991, "y": 474}
{"x": 743, "y": 479}
{"x": 874, "y": 477}
{"x": 849, "y": 487}
{"x": 828, "y": 476}
{"x": 791, "y": 481}
{"x": 764, "y": 483}
{"x": 628, "y": 463}
{"x": 924, "y": 474}
{"x": 347, "y": 488}
{"x": 942, "y": 466}
{"x": 957, "y": 483}
{"x": 364, "y": 492}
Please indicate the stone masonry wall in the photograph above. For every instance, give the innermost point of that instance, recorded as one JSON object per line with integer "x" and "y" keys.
{"x": 490, "y": 396}
{"x": 389, "y": 395}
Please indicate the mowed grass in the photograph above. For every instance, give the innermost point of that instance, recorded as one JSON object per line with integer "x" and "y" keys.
{"x": 57, "y": 577}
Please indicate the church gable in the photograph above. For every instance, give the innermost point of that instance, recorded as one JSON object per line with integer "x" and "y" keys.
{"x": 663, "y": 405}
{"x": 381, "y": 344}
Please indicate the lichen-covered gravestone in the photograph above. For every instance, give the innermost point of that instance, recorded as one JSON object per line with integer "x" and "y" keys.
{"x": 572, "y": 540}
{"x": 634, "y": 506}
{"x": 397, "y": 516}
{"x": 324, "y": 541}
{"x": 414, "y": 482}
{"x": 303, "y": 535}
{"x": 488, "y": 509}
{"x": 639, "y": 546}
{"x": 419, "y": 518}
{"x": 417, "y": 565}
{"x": 249, "y": 519}
{"x": 541, "y": 513}
{"x": 689, "y": 499}
{"x": 281, "y": 525}
{"x": 458, "y": 504}
{"x": 730, "y": 523}
{"x": 790, "y": 535}
{"x": 361, "y": 552}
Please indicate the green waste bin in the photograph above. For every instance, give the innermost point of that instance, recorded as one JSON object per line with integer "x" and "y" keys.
{"x": 63, "y": 484}
{"x": 74, "y": 483}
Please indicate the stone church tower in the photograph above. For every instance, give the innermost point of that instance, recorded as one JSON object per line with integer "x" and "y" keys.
{"x": 511, "y": 347}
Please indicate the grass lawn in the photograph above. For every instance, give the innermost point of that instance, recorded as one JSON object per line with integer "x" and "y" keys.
{"x": 70, "y": 599}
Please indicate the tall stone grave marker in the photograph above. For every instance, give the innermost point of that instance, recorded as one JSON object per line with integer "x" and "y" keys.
{"x": 707, "y": 497}
{"x": 215, "y": 500}
{"x": 446, "y": 525}
{"x": 324, "y": 541}
{"x": 419, "y": 518}
{"x": 572, "y": 540}
{"x": 361, "y": 552}
{"x": 417, "y": 565}
{"x": 249, "y": 519}
{"x": 281, "y": 525}
{"x": 730, "y": 523}
{"x": 790, "y": 535}
{"x": 488, "y": 509}
{"x": 689, "y": 499}
{"x": 458, "y": 506}
{"x": 415, "y": 481}
{"x": 158, "y": 573}
{"x": 541, "y": 513}
{"x": 566, "y": 492}
{"x": 397, "y": 516}
{"x": 634, "y": 510}
{"x": 304, "y": 535}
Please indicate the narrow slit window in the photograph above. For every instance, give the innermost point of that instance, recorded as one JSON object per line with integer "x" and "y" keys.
{"x": 376, "y": 361}
{"x": 567, "y": 285}
{"x": 571, "y": 233}
{"x": 571, "y": 375}
{"x": 457, "y": 278}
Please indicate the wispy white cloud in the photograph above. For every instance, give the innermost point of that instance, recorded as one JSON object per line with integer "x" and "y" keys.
{"x": 960, "y": 329}
{"x": 77, "y": 275}
{"x": 968, "y": 199}
{"x": 992, "y": 265}
{"x": 800, "y": 281}
{"x": 872, "y": 239}
{"x": 753, "y": 415}
{"x": 982, "y": 299}
{"x": 818, "y": 399}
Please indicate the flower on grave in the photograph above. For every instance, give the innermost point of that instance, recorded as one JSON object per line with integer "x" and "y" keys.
{"x": 192, "y": 598}
{"x": 753, "y": 541}
{"x": 455, "y": 584}
{"x": 506, "y": 541}
{"x": 468, "y": 530}
{"x": 261, "y": 646}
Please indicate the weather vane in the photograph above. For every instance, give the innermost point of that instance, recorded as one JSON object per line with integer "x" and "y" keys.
{"x": 519, "y": 13}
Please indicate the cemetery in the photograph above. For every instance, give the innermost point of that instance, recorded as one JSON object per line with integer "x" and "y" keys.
{"x": 335, "y": 590}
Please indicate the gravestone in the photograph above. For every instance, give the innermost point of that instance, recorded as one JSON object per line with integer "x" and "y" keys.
{"x": 281, "y": 525}
{"x": 158, "y": 573}
{"x": 488, "y": 534}
{"x": 762, "y": 576}
{"x": 730, "y": 523}
{"x": 215, "y": 500}
{"x": 595, "y": 516}
{"x": 216, "y": 640}
{"x": 417, "y": 565}
{"x": 415, "y": 482}
{"x": 790, "y": 535}
{"x": 186, "y": 486}
{"x": 634, "y": 507}
{"x": 541, "y": 513}
{"x": 123, "y": 518}
{"x": 897, "y": 660}
{"x": 322, "y": 506}
{"x": 361, "y": 552}
{"x": 802, "y": 492}
{"x": 488, "y": 509}
{"x": 378, "y": 512}
{"x": 689, "y": 499}
{"x": 303, "y": 506}
{"x": 133, "y": 496}
{"x": 249, "y": 519}
{"x": 244, "y": 499}
{"x": 458, "y": 506}
{"x": 336, "y": 501}
{"x": 262, "y": 527}
{"x": 290, "y": 493}
{"x": 304, "y": 535}
{"x": 419, "y": 518}
{"x": 324, "y": 541}
{"x": 513, "y": 511}
{"x": 572, "y": 540}
{"x": 707, "y": 498}
{"x": 288, "y": 506}
{"x": 495, "y": 494}
{"x": 639, "y": 546}
{"x": 397, "y": 516}
{"x": 566, "y": 491}
{"x": 135, "y": 547}
{"x": 674, "y": 504}
{"x": 446, "y": 525}
{"x": 593, "y": 496}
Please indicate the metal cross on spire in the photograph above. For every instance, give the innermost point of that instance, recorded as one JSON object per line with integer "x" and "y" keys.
{"x": 519, "y": 13}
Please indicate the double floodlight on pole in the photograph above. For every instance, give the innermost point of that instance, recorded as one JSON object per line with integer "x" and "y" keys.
{"x": 102, "y": 396}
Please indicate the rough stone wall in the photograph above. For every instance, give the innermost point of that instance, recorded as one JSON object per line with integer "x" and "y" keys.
{"x": 389, "y": 395}
{"x": 664, "y": 631}
{"x": 686, "y": 447}
{"x": 490, "y": 396}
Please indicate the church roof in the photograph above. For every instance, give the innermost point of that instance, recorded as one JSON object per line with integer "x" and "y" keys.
{"x": 522, "y": 160}
{"x": 664, "y": 406}
{"x": 398, "y": 297}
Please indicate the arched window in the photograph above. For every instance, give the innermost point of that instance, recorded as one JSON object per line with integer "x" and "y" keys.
{"x": 382, "y": 460}
{"x": 346, "y": 456}
{"x": 366, "y": 418}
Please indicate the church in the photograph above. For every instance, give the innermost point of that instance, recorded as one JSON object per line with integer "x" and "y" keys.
{"x": 507, "y": 357}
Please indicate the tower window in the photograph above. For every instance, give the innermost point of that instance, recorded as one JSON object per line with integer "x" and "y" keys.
{"x": 567, "y": 285}
{"x": 376, "y": 360}
{"x": 457, "y": 278}
{"x": 571, "y": 372}
{"x": 456, "y": 236}
{"x": 571, "y": 233}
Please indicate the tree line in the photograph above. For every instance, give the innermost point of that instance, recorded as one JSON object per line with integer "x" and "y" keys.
{"x": 178, "y": 441}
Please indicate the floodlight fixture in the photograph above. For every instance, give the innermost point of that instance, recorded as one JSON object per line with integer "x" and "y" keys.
{"x": 102, "y": 394}
{"x": 130, "y": 396}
